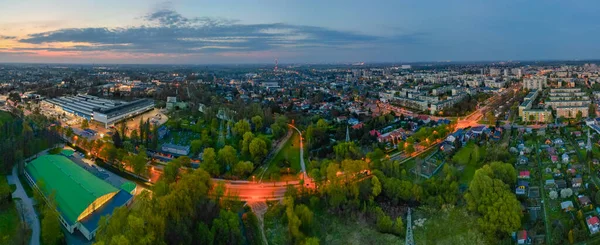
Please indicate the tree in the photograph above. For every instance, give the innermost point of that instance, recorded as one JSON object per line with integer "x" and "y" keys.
{"x": 347, "y": 150}
{"x": 227, "y": 156}
{"x": 409, "y": 148}
{"x": 258, "y": 150}
{"x": 241, "y": 127}
{"x": 531, "y": 118}
{"x": 311, "y": 241}
{"x": 226, "y": 229}
{"x": 490, "y": 197}
{"x": 243, "y": 168}
{"x": 258, "y": 123}
{"x": 51, "y": 231}
{"x": 171, "y": 171}
{"x": 117, "y": 140}
{"x": 205, "y": 235}
{"x": 553, "y": 195}
{"x": 579, "y": 116}
{"x": 566, "y": 193}
{"x": 209, "y": 163}
{"x": 384, "y": 223}
{"x": 195, "y": 146}
{"x": 135, "y": 138}
{"x": 85, "y": 124}
{"x": 247, "y": 138}
{"x": 399, "y": 226}
{"x": 376, "y": 186}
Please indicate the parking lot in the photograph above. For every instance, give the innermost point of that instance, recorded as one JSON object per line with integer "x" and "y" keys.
{"x": 156, "y": 117}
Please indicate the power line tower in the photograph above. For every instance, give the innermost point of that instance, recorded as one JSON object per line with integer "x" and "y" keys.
{"x": 347, "y": 134}
{"x": 409, "y": 232}
{"x": 221, "y": 140}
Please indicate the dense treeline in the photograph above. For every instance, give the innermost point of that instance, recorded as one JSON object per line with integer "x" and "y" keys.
{"x": 21, "y": 138}
{"x": 180, "y": 212}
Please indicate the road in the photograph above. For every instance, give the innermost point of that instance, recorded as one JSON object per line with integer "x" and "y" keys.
{"x": 257, "y": 192}
{"x": 305, "y": 176}
{"x": 27, "y": 205}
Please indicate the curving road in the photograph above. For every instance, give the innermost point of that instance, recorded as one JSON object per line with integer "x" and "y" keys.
{"x": 26, "y": 207}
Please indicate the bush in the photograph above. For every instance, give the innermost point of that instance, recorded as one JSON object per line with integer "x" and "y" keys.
{"x": 55, "y": 151}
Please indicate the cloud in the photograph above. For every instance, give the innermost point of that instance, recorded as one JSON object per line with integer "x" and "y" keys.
{"x": 7, "y": 37}
{"x": 168, "y": 32}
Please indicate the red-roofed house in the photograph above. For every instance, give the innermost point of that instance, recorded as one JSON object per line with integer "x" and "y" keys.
{"x": 374, "y": 133}
{"x": 593, "y": 224}
{"x": 522, "y": 237}
{"x": 524, "y": 175}
{"x": 358, "y": 126}
{"x": 424, "y": 118}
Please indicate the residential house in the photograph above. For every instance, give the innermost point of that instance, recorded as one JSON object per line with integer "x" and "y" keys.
{"x": 565, "y": 158}
{"x": 522, "y": 186}
{"x": 558, "y": 141}
{"x": 358, "y": 126}
{"x": 561, "y": 184}
{"x": 576, "y": 182}
{"x": 353, "y": 121}
{"x": 567, "y": 206}
{"x": 524, "y": 174}
{"x": 584, "y": 200}
{"x": 523, "y": 238}
{"x": 522, "y": 160}
{"x": 554, "y": 158}
{"x": 593, "y": 224}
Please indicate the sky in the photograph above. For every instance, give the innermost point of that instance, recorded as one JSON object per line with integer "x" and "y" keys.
{"x": 307, "y": 31}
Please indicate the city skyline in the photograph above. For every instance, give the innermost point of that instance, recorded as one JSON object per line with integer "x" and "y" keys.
{"x": 186, "y": 32}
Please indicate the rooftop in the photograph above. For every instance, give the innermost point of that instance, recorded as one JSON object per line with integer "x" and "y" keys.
{"x": 75, "y": 188}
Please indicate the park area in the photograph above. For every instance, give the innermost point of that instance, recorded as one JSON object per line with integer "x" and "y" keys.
{"x": 287, "y": 157}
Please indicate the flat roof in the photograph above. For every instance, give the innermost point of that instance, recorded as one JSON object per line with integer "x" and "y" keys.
{"x": 75, "y": 188}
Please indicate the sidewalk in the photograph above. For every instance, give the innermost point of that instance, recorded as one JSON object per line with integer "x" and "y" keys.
{"x": 27, "y": 203}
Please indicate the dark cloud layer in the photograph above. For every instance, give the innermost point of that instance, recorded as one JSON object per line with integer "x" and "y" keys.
{"x": 7, "y": 37}
{"x": 168, "y": 32}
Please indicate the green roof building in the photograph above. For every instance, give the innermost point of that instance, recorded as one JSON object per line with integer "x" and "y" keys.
{"x": 78, "y": 193}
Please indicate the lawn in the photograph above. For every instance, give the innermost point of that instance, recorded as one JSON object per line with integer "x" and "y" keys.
{"x": 467, "y": 175}
{"x": 446, "y": 226}
{"x": 290, "y": 152}
{"x": 4, "y": 117}
{"x": 329, "y": 228}
{"x": 9, "y": 220}
{"x": 345, "y": 230}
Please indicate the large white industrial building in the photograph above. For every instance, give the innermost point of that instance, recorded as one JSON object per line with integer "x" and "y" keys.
{"x": 107, "y": 112}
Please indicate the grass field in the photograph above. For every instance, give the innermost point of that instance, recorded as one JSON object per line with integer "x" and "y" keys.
{"x": 329, "y": 228}
{"x": 4, "y": 116}
{"x": 345, "y": 230}
{"x": 9, "y": 220}
{"x": 446, "y": 226}
{"x": 467, "y": 175}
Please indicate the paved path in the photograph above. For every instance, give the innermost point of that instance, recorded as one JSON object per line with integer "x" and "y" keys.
{"x": 31, "y": 216}
{"x": 301, "y": 153}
